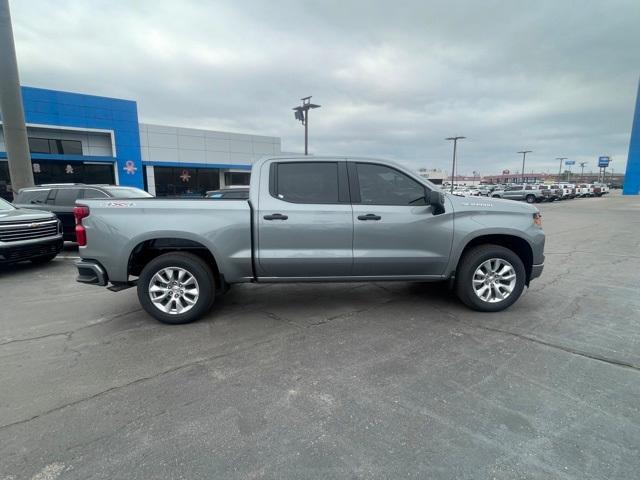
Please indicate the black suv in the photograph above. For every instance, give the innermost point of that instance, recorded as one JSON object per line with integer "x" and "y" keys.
{"x": 61, "y": 198}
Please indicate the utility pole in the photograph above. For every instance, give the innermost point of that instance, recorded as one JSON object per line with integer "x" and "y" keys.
{"x": 582, "y": 164}
{"x": 15, "y": 130}
{"x": 302, "y": 114}
{"x": 524, "y": 156}
{"x": 453, "y": 168}
{"x": 562, "y": 159}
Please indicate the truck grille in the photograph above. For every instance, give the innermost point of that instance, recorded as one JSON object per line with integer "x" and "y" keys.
{"x": 29, "y": 230}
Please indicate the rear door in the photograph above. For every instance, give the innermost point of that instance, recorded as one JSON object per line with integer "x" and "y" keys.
{"x": 305, "y": 226}
{"x": 395, "y": 230}
{"x": 513, "y": 193}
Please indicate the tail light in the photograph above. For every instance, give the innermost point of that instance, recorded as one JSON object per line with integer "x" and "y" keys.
{"x": 80, "y": 212}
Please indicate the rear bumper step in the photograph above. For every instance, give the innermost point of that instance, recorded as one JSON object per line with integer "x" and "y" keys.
{"x": 92, "y": 273}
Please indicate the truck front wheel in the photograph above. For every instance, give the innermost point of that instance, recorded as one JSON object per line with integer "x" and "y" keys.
{"x": 490, "y": 278}
{"x": 176, "y": 288}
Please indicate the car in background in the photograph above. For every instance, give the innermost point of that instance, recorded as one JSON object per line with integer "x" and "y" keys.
{"x": 569, "y": 190}
{"x": 485, "y": 190}
{"x": 600, "y": 189}
{"x": 525, "y": 193}
{"x": 586, "y": 190}
{"x": 61, "y": 198}
{"x": 229, "y": 194}
{"x": 27, "y": 234}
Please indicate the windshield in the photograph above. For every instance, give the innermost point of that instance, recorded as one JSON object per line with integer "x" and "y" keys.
{"x": 127, "y": 192}
{"x": 4, "y": 205}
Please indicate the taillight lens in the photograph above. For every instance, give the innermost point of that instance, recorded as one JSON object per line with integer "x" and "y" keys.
{"x": 80, "y": 212}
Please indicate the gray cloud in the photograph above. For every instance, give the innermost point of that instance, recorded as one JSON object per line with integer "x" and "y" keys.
{"x": 394, "y": 79}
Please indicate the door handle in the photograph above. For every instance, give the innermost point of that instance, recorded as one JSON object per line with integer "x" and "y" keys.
{"x": 275, "y": 216}
{"x": 369, "y": 216}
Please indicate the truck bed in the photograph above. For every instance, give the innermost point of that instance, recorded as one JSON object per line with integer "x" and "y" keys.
{"x": 115, "y": 227}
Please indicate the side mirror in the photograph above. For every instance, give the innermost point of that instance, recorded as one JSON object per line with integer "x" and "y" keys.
{"x": 436, "y": 200}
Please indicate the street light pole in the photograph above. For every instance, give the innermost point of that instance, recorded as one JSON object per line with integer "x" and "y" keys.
{"x": 524, "y": 156}
{"x": 453, "y": 168}
{"x": 582, "y": 164}
{"x": 562, "y": 159}
{"x": 302, "y": 114}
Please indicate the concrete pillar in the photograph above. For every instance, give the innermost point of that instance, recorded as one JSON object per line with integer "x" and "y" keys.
{"x": 15, "y": 131}
{"x": 632, "y": 175}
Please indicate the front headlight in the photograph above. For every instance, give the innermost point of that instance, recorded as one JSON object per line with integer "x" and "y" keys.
{"x": 537, "y": 219}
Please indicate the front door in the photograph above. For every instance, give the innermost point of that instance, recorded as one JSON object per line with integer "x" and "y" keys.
{"x": 305, "y": 226}
{"x": 395, "y": 230}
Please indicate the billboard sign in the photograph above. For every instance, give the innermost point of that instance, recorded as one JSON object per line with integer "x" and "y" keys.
{"x": 603, "y": 162}
{"x": 569, "y": 162}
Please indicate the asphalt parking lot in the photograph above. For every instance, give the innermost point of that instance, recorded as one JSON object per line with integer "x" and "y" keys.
{"x": 380, "y": 380}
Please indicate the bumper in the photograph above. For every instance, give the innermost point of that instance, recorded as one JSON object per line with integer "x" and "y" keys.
{"x": 91, "y": 272}
{"x": 17, "y": 253}
{"x": 536, "y": 271}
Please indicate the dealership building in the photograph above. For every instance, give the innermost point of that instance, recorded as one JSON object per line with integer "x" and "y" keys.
{"x": 78, "y": 138}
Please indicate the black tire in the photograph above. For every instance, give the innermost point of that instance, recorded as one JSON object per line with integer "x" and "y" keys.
{"x": 530, "y": 198}
{"x": 43, "y": 259}
{"x": 495, "y": 196}
{"x": 471, "y": 260}
{"x": 194, "y": 265}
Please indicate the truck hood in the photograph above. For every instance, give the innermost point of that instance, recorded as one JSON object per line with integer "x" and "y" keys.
{"x": 24, "y": 214}
{"x": 489, "y": 204}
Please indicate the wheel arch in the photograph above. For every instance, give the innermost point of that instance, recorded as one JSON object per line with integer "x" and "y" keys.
{"x": 146, "y": 250}
{"x": 516, "y": 244}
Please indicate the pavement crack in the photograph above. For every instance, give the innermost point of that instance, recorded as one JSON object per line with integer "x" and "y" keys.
{"x": 564, "y": 348}
{"x": 40, "y": 337}
{"x": 199, "y": 361}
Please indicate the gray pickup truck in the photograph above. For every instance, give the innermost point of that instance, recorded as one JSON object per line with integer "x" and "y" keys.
{"x": 310, "y": 219}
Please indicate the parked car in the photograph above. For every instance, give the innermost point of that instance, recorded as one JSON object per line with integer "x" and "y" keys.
{"x": 600, "y": 189}
{"x": 60, "y": 199}
{"x": 229, "y": 194}
{"x": 568, "y": 190}
{"x": 520, "y": 192}
{"x": 28, "y": 234}
{"x": 586, "y": 190}
{"x": 314, "y": 219}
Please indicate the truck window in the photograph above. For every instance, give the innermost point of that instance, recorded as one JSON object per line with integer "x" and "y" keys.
{"x": 34, "y": 197}
{"x": 382, "y": 185}
{"x": 66, "y": 196}
{"x": 307, "y": 182}
{"x": 93, "y": 193}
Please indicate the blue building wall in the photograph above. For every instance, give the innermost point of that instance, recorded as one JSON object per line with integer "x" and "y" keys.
{"x": 56, "y": 108}
{"x": 632, "y": 176}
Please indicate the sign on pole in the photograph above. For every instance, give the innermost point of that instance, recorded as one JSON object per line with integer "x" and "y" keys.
{"x": 570, "y": 162}
{"x": 603, "y": 162}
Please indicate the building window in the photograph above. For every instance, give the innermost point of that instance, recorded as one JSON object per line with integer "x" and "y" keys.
{"x": 237, "y": 178}
{"x": 56, "y": 146}
{"x": 185, "y": 182}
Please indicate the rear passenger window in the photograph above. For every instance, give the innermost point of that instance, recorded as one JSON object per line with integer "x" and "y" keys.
{"x": 66, "y": 197}
{"x": 307, "y": 182}
{"x": 381, "y": 185}
{"x": 93, "y": 193}
{"x": 33, "y": 197}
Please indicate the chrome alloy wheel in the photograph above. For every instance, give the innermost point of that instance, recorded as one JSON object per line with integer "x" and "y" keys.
{"x": 494, "y": 280}
{"x": 174, "y": 290}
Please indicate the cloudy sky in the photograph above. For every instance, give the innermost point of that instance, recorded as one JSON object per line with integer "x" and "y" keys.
{"x": 393, "y": 78}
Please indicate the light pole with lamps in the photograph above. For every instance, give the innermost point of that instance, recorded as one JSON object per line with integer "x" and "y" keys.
{"x": 453, "y": 168}
{"x": 302, "y": 113}
{"x": 524, "y": 156}
{"x": 562, "y": 159}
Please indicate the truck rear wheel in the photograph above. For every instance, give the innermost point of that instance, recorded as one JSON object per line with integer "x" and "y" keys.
{"x": 530, "y": 198}
{"x": 176, "y": 288}
{"x": 490, "y": 278}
